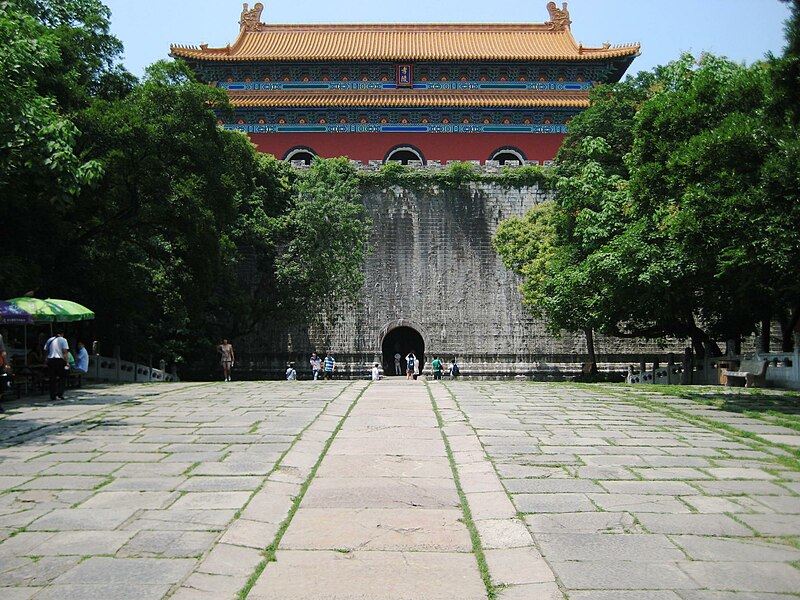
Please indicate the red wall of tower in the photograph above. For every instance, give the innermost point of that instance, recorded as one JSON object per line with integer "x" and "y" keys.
{"x": 433, "y": 146}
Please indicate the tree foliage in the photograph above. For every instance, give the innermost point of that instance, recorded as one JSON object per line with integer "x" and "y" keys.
{"x": 675, "y": 207}
{"x": 128, "y": 197}
{"x": 324, "y": 237}
{"x": 37, "y": 137}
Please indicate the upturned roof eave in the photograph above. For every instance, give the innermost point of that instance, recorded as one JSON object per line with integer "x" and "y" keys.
{"x": 407, "y": 100}
{"x": 187, "y": 53}
{"x": 238, "y": 52}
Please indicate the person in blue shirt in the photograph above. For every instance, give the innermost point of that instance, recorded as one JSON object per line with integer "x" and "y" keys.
{"x": 411, "y": 365}
{"x": 81, "y": 360}
{"x": 330, "y": 366}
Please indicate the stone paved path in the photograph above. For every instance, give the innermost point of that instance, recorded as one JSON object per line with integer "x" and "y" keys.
{"x": 394, "y": 491}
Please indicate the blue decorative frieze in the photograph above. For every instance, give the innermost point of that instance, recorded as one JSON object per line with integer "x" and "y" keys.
{"x": 555, "y": 74}
{"x": 397, "y": 128}
{"x": 541, "y": 86}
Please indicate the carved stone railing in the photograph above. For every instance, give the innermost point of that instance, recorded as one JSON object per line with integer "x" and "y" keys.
{"x": 783, "y": 370}
{"x": 109, "y": 368}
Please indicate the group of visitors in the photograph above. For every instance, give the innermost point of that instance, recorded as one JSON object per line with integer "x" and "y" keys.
{"x": 61, "y": 362}
{"x": 325, "y": 368}
{"x": 322, "y": 367}
{"x": 437, "y": 366}
{"x": 319, "y": 367}
{"x": 55, "y": 356}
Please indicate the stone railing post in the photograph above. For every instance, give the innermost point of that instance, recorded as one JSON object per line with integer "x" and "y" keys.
{"x": 686, "y": 376}
{"x": 118, "y": 362}
{"x": 670, "y": 367}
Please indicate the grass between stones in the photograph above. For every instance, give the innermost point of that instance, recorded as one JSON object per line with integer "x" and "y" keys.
{"x": 745, "y": 437}
{"x": 477, "y": 548}
{"x": 777, "y": 407}
{"x": 269, "y": 551}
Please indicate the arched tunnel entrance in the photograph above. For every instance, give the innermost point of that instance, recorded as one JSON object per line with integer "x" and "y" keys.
{"x": 402, "y": 340}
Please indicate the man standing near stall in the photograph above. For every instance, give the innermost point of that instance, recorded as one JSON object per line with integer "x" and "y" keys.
{"x": 57, "y": 350}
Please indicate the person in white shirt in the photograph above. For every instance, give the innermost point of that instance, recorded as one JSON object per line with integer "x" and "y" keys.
{"x": 227, "y": 357}
{"x": 376, "y": 373}
{"x": 397, "y": 370}
{"x": 57, "y": 350}
{"x": 291, "y": 374}
{"x": 316, "y": 366}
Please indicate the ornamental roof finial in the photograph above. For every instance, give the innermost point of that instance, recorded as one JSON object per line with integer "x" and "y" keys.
{"x": 559, "y": 17}
{"x": 251, "y": 19}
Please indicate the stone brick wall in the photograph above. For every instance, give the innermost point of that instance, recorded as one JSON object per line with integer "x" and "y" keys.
{"x": 433, "y": 264}
{"x": 433, "y": 268}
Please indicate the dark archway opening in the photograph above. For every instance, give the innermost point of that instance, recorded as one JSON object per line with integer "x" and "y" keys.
{"x": 402, "y": 340}
{"x": 404, "y": 156}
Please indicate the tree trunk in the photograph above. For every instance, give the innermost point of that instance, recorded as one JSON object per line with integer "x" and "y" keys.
{"x": 590, "y": 348}
{"x": 764, "y": 341}
{"x": 702, "y": 344}
{"x": 697, "y": 343}
{"x": 788, "y": 329}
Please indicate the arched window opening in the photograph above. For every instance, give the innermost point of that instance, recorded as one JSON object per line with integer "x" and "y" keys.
{"x": 403, "y": 154}
{"x": 304, "y": 154}
{"x": 504, "y": 155}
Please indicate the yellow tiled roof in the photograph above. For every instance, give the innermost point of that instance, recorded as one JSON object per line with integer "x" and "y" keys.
{"x": 405, "y": 42}
{"x": 408, "y": 99}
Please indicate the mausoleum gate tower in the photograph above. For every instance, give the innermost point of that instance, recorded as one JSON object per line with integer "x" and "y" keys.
{"x": 407, "y": 91}
{"x": 423, "y": 94}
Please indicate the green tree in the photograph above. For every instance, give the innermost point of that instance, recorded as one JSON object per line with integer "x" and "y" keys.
{"x": 40, "y": 170}
{"x": 782, "y": 173}
{"x": 701, "y": 146}
{"x": 673, "y": 197}
{"x": 323, "y": 240}
{"x": 159, "y": 238}
{"x": 128, "y": 196}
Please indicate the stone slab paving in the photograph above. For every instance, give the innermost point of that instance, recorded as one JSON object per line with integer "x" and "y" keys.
{"x": 382, "y": 517}
{"x": 645, "y": 501}
{"x": 357, "y": 490}
{"x": 152, "y": 491}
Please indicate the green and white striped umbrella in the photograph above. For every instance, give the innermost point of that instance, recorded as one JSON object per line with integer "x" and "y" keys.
{"x": 50, "y": 310}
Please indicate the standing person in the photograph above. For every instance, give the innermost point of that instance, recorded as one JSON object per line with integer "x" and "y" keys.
{"x": 227, "y": 357}
{"x": 376, "y": 372}
{"x": 291, "y": 374}
{"x": 454, "y": 370}
{"x": 397, "y": 370}
{"x": 4, "y": 382}
{"x": 3, "y": 355}
{"x": 330, "y": 366}
{"x": 57, "y": 350}
{"x": 411, "y": 361}
{"x": 316, "y": 365}
{"x": 437, "y": 368}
